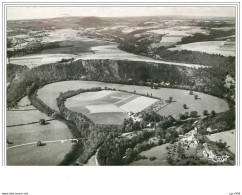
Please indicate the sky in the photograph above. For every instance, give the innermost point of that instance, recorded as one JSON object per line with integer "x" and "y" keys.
{"x": 20, "y": 13}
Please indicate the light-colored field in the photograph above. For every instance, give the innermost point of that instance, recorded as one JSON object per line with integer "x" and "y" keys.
{"x": 49, "y": 93}
{"x": 159, "y": 152}
{"x": 132, "y": 29}
{"x": 175, "y": 34}
{"x": 170, "y": 32}
{"x": 61, "y": 35}
{"x": 51, "y": 154}
{"x": 211, "y": 47}
{"x": 226, "y": 136}
{"x": 223, "y": 28}
{"x": 24, "y": 117}
{"x": 180, "y": 31}
{"x": 102, "y": 108}
{"x": 138, "y": 104}
{"x": 110, "y": 107}
{"x": 169, "y": 41}
{"x": 92, "y": 95}
{"x": 38, "y": 59}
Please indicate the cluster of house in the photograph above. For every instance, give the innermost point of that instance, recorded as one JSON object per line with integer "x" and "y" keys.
{"x": 189, "y": 139}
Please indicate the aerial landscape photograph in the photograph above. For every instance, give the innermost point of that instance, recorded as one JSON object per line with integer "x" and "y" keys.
{"x": 127, "y": 86}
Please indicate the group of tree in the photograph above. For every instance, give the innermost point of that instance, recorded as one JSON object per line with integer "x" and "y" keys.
{"x": 199, "y": 37}
{"x": 119, "y": 151}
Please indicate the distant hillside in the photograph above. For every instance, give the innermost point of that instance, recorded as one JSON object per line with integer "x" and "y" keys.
{"x": 93, "y": 22}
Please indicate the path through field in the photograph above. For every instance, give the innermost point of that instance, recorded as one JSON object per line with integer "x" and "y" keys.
{"x": 52, "y": 141}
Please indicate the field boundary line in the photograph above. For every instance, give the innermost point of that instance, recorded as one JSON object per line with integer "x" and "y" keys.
{"x": 51, "y": 141}
{"x": 29, "y": 123}
{"x": 22, "y": 110}
{"x": 124, "y": 99}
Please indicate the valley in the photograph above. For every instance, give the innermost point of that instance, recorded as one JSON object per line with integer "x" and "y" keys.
{"x": 120, "y": 91}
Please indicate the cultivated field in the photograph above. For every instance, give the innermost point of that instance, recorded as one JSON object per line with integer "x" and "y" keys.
{"x": 102, "y": 108}
{"x": 108, "y": 107}
{"x": 138, "y": 104}
{"x": 226, "y": 136}
{"x": 175, "y": 34}
{"x": 211, "y": 47}
{"x": 159, "y": 152}
{"x": 49, "y": 93}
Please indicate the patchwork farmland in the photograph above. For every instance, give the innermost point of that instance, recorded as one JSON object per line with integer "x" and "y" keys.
{"x": 115, "y": 105}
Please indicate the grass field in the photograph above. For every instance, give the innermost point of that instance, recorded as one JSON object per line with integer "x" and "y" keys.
{"x": 49, "y": 93}
{"x": 24, "y": 117}
{"x": 55, "y": 130}
{"x": 159, "y": 152}
{"x": 226, "y": 136}
{"x": 51, "y": 154}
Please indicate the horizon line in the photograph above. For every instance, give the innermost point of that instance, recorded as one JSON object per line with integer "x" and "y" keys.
{"x": 232, "y": 17}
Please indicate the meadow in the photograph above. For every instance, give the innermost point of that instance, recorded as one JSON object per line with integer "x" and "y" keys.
{"x": 54, "y": 130}
{"x": 24, "y": 117}
{"x": 49, "y": 93}
{"x": 226, "y": 136}
{"x": 160, "y": 152}
{"x": 51, "y": 154}
{"x": 23, "y": 137}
